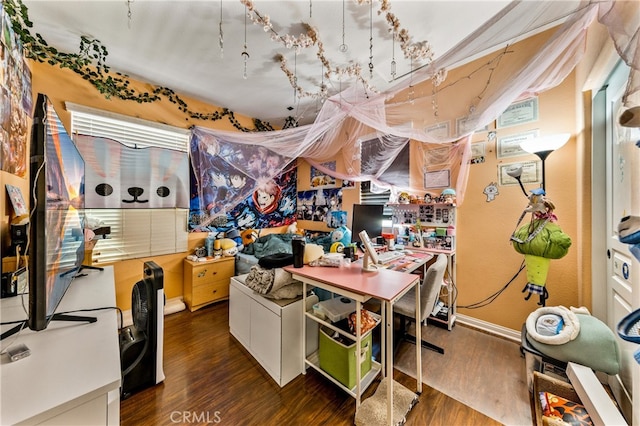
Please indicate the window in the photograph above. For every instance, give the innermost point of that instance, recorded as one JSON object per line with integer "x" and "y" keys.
{"x": 134, "y": 232}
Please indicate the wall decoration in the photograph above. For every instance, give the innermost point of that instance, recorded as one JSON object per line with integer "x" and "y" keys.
{"x": 317, "y": 205}
{"x": 464, "y": 126}
{"x": 348, "y": 184}
{"x": 491, "y": 191}
{"x": 321, "y": 180}
{"x": 272, "y": 204}
{"x": 17, "y": 200}
{"x": 120, "y": 177}
{"x": 477, "y": 153}
{"x": 15, "y": 101}
{"x": 519, "y": 113}
{"x": 509, "y": 146}
{"x": 437, "y": 179}
{"x": 375, "y": 156}
{"x": 337, "y": 218}
{"x": 531, "y": 173}
{"x": 438, "y": 130}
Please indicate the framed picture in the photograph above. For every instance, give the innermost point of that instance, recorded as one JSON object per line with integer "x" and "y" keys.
{"x": 531, "y": 173}
{"x": 519, "y": 113}
{"x": 477, "y": 152}
{"x": 437, "y": 179}
{"x": 509, "y": 146}
{"x": 438, "y": 130}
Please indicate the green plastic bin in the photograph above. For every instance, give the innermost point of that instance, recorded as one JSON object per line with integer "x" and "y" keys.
{"x": 339, "y": 360}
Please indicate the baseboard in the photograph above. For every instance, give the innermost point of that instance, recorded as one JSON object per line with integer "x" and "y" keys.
{"x": 490, "y": 328}
{"x": 170, "y": 307}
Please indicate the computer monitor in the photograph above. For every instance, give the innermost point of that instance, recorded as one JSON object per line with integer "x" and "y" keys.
{"x": 367, "y": 217}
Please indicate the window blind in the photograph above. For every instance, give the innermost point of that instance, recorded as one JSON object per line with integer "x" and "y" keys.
{"x": 134, "y": 232}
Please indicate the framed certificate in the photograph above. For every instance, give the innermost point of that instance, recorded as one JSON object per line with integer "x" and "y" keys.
{"x": 509, "y": 146}
{"x": 531, "y": 173}
{"x": 519, "y": 113}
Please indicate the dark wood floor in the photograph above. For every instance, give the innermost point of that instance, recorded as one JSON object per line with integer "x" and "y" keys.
{"x": 212, "y": 379}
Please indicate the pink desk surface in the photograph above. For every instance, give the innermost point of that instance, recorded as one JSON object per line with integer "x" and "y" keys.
{"x": 383, "y": 284}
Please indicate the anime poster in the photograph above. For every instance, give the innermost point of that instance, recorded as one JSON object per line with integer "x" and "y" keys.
{"x": 317, "y": 205}
{"x": 272, "y": 203}
{"x": 239, "y": 186}
{"x": 15, "y": 97}
{"x": 321, "y": 180}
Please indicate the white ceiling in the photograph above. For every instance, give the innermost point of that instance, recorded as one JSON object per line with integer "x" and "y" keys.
{"x": 175, "y": 44}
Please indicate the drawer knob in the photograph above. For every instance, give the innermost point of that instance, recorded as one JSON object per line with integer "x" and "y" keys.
{"x": 202, "y": 274}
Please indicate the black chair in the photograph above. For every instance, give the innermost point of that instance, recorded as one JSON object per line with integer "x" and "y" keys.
{"x": 405, "y": 308}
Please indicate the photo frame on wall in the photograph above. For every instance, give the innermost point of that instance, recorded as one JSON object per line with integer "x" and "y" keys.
{"x": 522, "y": 112}
{"x": 509, "y": 146}
{"x": 531, "y": 173}
{"x": 437, "y": 179}
{"x": 438, "y": 130}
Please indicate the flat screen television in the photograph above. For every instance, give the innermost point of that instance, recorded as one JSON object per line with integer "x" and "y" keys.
{"x": 366, "y": 217}
{"x": 56, "y": 239}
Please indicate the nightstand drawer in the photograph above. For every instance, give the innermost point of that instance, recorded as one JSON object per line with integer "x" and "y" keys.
{"x": 210, "y": 292}
{"x": 207, "y": 273}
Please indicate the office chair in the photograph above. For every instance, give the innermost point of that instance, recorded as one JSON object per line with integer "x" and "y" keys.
{"x": 429, "y": 291}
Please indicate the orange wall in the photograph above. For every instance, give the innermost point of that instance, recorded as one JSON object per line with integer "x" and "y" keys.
{"x": 486, "y": 260}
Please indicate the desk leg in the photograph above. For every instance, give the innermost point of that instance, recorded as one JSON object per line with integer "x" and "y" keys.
{"x": 304, "y": 328}
{"x": 388, "y": 306}
{"x": 418, "y": 342}
{"x": 383, "y": 334}
{"x": 358, "y": 355}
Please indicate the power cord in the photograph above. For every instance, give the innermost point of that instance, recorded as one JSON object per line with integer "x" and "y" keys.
{"x": 495, "y": 295}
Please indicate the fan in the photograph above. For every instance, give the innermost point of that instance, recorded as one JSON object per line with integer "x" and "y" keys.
{"x": 141, "y": 344}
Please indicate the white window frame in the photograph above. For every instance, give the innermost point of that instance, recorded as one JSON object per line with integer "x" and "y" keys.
{"x": 135, "y": 233}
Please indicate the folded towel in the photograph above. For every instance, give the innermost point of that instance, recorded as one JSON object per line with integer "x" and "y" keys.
{"x": 549, "y": 324}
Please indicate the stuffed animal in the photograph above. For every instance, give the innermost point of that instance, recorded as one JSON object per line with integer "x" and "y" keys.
{"x": 342, "y": 234}
{"x": 229, "y": 247}
{"x": 248, "y": 236}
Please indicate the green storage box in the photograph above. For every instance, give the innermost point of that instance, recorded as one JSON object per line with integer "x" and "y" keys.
{"x": 339, "y": 360}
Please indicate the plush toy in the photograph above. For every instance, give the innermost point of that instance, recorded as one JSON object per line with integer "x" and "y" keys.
{"x": 248, "y": 236}
{"x": 229, "y": 247}
{"x": 342, "y": 234}
{"x": 403, "y": 198}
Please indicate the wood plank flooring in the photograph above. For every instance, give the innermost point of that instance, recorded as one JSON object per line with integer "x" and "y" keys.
{"x": 212, "y": 379}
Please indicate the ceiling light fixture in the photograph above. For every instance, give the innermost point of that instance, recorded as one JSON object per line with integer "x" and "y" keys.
{"x": 544, "y": 146}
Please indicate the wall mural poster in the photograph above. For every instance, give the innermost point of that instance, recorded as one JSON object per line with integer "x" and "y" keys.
{"x": 317, "y": 205}
{"x": 271, "y": 204}
{"x": 321, "y": 180}
{"x": 15, "y": 102}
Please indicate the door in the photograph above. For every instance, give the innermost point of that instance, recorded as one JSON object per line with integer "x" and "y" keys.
{"x": 623, "y": 269}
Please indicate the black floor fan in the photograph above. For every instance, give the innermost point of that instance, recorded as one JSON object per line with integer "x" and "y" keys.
{"x": 141, "y": 344}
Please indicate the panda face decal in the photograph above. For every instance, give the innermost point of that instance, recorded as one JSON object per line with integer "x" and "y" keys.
{"x": 125, "y": 177}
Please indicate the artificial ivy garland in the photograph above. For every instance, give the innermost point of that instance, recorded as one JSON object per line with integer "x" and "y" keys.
{"x": 90, "y": 64}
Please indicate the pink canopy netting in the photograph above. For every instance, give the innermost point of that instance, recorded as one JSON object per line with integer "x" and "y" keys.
{"x": 426, "y": 111}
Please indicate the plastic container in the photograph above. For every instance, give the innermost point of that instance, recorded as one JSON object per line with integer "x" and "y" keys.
{"x": 338, "y": 358}
{"x": 337, "y": 308}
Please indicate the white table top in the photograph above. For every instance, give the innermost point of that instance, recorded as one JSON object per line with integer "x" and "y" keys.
{"x": 70, "y": 362}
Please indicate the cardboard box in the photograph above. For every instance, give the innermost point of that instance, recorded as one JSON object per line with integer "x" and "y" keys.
{"x": 339, "y": 359}
{"x": 544, "y": 383}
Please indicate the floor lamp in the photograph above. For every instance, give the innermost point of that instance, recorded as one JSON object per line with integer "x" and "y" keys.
{"x": 544, "y": 146}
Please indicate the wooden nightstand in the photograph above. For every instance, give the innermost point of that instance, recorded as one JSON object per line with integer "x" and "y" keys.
{"x": 207, "y": 282}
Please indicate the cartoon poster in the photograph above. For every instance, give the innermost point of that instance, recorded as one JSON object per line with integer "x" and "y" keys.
{"x": 320, "y": 179}
{"x": 318, "y": 204}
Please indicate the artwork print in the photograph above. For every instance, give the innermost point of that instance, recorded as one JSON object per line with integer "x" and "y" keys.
{"x": 317, "y": 205}
{"x": 15, "y": 101}
{"x": 122, "y": 177}
{"x": 319, "y": 179}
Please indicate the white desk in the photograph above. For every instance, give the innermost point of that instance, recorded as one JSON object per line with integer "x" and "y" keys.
{"x": 385, "y": 285}
{"x": 73, "y": 373}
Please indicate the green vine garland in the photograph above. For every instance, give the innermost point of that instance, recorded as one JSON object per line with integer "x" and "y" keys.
{"x": 90, "y": 63}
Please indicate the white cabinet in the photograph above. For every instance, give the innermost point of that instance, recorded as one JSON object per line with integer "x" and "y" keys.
{"x": 271, "y": 330}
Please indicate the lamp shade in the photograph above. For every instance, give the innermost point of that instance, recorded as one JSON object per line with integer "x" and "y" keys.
{"x": 545, "y": 143}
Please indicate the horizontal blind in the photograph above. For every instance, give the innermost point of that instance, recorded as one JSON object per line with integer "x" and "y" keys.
{"x": 367, "y": 196}
{"x": 134, "y": 233}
